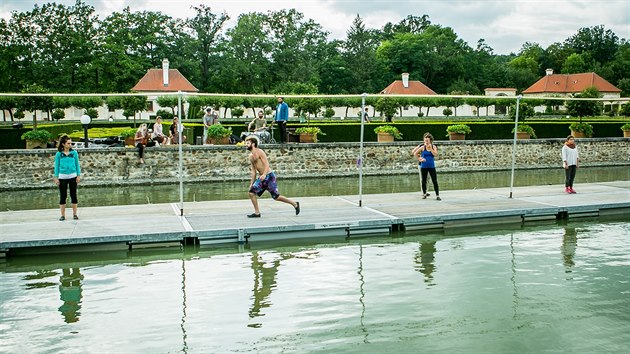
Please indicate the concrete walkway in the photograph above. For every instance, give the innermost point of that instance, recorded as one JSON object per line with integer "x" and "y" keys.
{"x": 124, "y": 227}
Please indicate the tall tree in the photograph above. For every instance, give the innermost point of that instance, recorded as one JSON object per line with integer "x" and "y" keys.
{"x": 359, "y": 53}
{"x": 601, "y": 43}
{"x": 205, "y": 27}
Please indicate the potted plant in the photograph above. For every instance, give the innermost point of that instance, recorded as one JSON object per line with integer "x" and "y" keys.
{"x": 128, "y": 135}
{"x": 524, "y": 131}
{"x": 218, "y": 134}
{"x": 458, "y": 131}
{"x": 387, "y": 133}
{"x": 38, "y": 138}
{"x": 581, "y": 130}
{"x": 626, "y": 130}
{"x": 308, "y": 134}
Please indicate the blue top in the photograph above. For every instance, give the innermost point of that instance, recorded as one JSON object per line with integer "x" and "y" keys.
{"x": 282, "y": 112}
{"x": 429, "y": 159}
{"x": 67, "y": 165}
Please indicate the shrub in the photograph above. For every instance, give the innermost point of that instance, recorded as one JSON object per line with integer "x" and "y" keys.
{"x": 447, "y": 112}
{"x": 625, "y": 127}
{"x": 585, "y": 128}
{"x": 458, "y": 129}
{"x": 219, "y": 131}
{"x": 524, "y": 128}
{"x": 329, "y": 113}
{"x": 165, "y": 114}
{"x": 309, "y": 130}
{"x": 58, "y": 114}
{"x": 390, "y": 129}
{"x": 128, "y": 132}
{"x": 237, "y": 112}
{"x": 40, "y": 135}
{"x": 92, "y": 112}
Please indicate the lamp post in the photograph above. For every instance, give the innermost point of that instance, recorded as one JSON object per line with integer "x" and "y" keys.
{"x": 85, "y": 120}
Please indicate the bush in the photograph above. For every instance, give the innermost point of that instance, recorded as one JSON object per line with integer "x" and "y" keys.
{"x": 92, "y": 112}
{"x": 58, "y": 114}
{"x": 128, "y": 133}
{"x": 524, "y": 128}
{"x": 237, "y": 112}
{"x": 165, "y": 114}
{"x": 218, "y": 131}
{"x": 447, "y": 112}
{"x": 585, "y": 128}
{"x": 40, "y": 135}
{"x": 309, "y": 130}
{"x": 625, "y": 127}
{"x": 390, "y": 129}
{"x": 458, "y": 129}
{"x": 329, "y": 113}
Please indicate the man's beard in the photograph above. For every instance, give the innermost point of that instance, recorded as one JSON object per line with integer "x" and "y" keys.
{"x": 250, "y": 147}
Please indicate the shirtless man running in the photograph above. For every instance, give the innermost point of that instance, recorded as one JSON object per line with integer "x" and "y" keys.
{"x": 266, "y": 178}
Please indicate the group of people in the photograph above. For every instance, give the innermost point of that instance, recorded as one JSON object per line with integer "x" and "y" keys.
{"x": 67, "y": 171}
{"x": 145, "y": 138}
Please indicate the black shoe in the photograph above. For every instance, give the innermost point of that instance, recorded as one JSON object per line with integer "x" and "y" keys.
{"x": 297, "y": 208}
{"x": 253, "y": 215}
{"x": 62, "y": 218}
{"x": 75, "y": 217}
{"x": 438, "y": 198}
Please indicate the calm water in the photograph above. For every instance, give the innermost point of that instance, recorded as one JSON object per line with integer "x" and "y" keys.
{"x": 48, "y": 198}
{"x": 554, "y": 288}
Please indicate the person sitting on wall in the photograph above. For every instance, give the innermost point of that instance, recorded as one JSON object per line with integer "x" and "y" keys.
{"x": 174, "y": 132}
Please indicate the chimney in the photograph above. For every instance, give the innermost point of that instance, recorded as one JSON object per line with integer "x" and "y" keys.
{"x": 405, "y": 79}
{"x": 165, "y": 72}
{"x": 549, "y": 72}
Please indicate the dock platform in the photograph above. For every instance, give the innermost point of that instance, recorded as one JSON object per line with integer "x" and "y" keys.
{"x": 214, "y": 222}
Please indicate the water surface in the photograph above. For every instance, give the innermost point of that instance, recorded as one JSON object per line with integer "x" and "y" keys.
{"x": 547, "y": 288}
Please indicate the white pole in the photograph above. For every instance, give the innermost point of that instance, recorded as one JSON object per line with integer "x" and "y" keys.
{"x": 360, "y": 159}
{"x": 518, "y": 103}
{"x": 180, "y": 129}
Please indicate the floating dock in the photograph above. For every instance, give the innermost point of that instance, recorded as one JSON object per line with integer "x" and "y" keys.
{"x": 216, "y": 222}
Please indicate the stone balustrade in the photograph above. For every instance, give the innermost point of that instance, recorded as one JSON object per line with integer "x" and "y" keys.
{"x": 32, "y": 169}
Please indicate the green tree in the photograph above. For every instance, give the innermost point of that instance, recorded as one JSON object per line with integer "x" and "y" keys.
{"x": 132, "y": 105}
{"x": 171, "y": 102}
{"x": 585, "y": 108}
{"x": 577, "y": 63}
{"x": 387, "y": 106}
{"x": 35, "y": 103}
{"x": 599, "y": 42}
{"x": 8, "y": 104}
{"x": 359, "y": 55}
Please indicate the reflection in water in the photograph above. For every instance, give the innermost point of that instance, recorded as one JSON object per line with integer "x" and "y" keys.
{"x": 425, "y": 261}
{"x": 183, "y": 323}
{"x": 362, "y": 292}
{"x": 70, "y": 293}
{"x": 569, "y": 244}
{"x": 264, "y": 283}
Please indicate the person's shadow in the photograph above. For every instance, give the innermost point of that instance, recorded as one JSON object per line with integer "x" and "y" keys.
{"x": 569, "y": 245}
{"x": 70, "y": 293}
{"x": 425, "y": 261}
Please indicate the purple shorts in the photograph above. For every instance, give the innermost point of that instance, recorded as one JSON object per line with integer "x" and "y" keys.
{"x": 268, "y": 184}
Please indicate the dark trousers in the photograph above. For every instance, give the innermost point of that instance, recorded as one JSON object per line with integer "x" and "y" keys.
{"x": 63, "y": 190}
{"x": 570, "y": 175}
{"x": 141, "y": 147}
{"x": 430, "y": 171}
{"x": 282, "y": 124}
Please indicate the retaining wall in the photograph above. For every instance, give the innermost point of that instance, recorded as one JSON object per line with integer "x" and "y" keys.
{"x": 32, "y": 169}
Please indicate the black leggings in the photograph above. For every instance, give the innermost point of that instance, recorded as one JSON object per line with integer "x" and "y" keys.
{"x": 570, "y": 175}
{"x": 141, "y": 147}
{"x": 63, "y": 190}
{"x": 430, "y": 171}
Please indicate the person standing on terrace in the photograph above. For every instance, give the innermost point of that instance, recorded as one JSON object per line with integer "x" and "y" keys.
{"x": 281, "y": 118}
{"x": 67, "y": 173}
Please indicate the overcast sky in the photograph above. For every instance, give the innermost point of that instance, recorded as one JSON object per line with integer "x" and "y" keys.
{"x": 505, "y": 24}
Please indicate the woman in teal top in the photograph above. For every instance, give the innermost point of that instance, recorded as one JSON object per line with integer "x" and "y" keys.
{"x": 67, "y": 174}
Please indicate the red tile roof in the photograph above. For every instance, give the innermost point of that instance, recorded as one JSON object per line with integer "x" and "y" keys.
{"x": 571, "y": 83}
{"x": 152, "y": 81}
{"x": 415, "y": 88}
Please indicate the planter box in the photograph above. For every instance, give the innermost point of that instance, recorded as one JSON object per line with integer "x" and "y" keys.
{"x": 456, "y": 136}
{"x": 385, "y": 138}
{"x": 626, "y": 133}
{"x": 219, "y": 141}
{"x": 522, "y": 135}
{"x": 578, "y": 134}
{"x": 308, "y": 138}
{"x": 35, "y": 144}
{"x": 130, "y": 141}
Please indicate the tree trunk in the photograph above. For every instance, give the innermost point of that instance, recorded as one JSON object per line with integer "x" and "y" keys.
{"x": 34, "y": 119}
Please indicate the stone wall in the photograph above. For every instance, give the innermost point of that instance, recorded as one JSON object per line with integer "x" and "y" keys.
{"x": 30, "y": 169}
